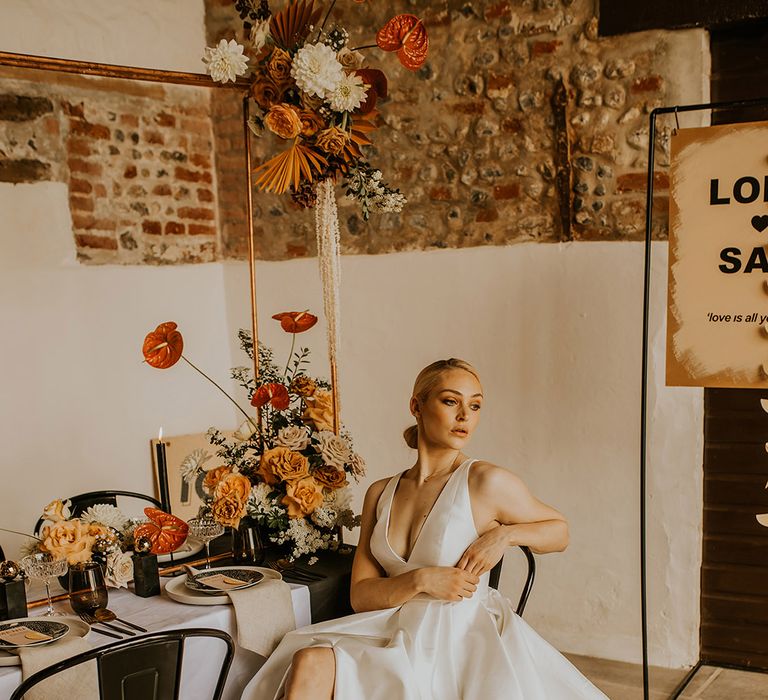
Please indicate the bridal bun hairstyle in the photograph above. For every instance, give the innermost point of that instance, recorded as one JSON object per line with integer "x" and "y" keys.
{"x": 426, "y": 380}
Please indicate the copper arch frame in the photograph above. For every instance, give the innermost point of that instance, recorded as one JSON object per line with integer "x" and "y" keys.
{"x": 107, "y": 70}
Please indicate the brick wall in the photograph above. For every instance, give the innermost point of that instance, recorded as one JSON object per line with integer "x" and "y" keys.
{"x": 479, "y": 143}
{"x": 137, "y": 159}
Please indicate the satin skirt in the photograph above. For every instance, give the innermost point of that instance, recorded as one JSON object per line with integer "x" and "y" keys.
{"x": 476, "y": 649}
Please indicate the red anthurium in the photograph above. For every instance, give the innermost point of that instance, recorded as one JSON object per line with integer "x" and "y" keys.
{"x": 166, "y": 532}
{"x": 273, "y": 394}
{"x": 377, "y": 82}
{"x": 406, "y": 35}
{"x": 163, "y": 347}
{"x": 296, "y": 321}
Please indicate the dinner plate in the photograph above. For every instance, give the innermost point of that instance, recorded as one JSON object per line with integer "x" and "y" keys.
{"x": 77, "y": 628}
{"x": 247, "y": 578}
{"x": 177, "y": 590}
{"x": 50, "y": 630}
{"x": 190, "y": 547}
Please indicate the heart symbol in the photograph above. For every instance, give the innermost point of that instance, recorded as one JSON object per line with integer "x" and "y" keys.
{"x": 760, "y": 223}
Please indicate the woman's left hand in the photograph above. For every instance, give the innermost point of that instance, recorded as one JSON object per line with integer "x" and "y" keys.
{"x": 485, "y": 552}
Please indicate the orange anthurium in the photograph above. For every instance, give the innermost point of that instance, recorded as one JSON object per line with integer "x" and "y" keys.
{"x": 274, "y": 394}
{"x": 406, "y": 35}
{"x": 163, "y": 347}
{"x": 295, "y": 321}
{"x": 378, "y": 88}
{"x": 166, "y": 532}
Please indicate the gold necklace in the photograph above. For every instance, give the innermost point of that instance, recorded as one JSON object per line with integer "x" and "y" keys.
{"x": 442, "y": 471}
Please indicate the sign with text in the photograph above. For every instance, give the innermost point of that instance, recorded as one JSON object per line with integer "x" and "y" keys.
{"x": 717, "y": 316}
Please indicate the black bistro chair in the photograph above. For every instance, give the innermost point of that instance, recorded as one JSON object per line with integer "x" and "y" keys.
{"x": 84, "y": 501}
{"x": 493, "y": 581}
{"x": 139, "y": 668}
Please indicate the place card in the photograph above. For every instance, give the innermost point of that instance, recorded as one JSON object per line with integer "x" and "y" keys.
{"x": 22, "y": 635}
{"x": 221, "y": 582}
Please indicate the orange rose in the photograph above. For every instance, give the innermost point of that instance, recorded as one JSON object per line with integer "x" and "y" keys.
{"x": 302, "y": 497}
{"x": 284, "y": 121}
{"x": 278, "y": 67}
{"x": 302, "y": 385}
{"x": 266, "y": 93}
{"x": 283, "y": 464}
{"x": 332, "y": 140}
{"x": 330, "y": 476}
{"x": 68, "y": 539}
{"x": 319, "y": 410}
{"x": 228, "y": 510}
{"x": 213, "y": 476}
{"x": 56, "y": 511}
{"x": 234, "y": 485}
{"x": 311, "y": 123}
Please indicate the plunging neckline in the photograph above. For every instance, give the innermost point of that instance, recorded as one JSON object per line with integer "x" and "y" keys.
{"x": 407, "y": 559}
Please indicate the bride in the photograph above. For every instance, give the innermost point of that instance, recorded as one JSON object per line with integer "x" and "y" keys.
{"x": 427, "y": 625}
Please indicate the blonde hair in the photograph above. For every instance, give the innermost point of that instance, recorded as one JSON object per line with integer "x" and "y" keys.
{"x": 425, "y": 382}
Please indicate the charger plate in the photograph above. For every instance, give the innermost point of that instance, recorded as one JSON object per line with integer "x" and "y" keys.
{"x": 177, "y": 590}
{"x": 77, "y": 628}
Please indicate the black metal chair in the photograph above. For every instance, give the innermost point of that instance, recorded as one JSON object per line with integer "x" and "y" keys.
{"x": 139, "y": 668}
{"x": 496, "y": 575}
{"x": 84, "y": 501}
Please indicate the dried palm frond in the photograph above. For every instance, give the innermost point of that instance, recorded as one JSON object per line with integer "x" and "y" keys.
{"x": 288, "y": 167}
{"x": 290, "y": 26}
{"x": 360, "y": 128}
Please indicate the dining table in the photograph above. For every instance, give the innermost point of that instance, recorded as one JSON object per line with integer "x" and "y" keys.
{"x": 324, "y": 597}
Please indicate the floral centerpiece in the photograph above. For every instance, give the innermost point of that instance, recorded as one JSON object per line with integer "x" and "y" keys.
{"x": 317, "y": 95}
{"x": 101, "y": 533}
{"x": 285, "y": 468}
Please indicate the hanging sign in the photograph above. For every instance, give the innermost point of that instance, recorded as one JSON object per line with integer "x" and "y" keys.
{"x": 717, "y": 315}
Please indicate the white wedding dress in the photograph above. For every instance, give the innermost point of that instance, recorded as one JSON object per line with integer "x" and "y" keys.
{"x": 427, "y": 649}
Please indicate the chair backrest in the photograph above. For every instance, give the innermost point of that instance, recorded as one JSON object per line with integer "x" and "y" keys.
{"x": 496, "y": 575}
{"x": 83, "y": 501}
{"x": 139, "y": 668}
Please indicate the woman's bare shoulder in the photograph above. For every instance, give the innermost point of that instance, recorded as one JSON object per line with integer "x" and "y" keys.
{"x": 375, "y": 490}
{"x": 488, "y": 477}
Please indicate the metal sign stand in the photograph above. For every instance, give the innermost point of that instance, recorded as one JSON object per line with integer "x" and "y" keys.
{"x": 676, "y": 110}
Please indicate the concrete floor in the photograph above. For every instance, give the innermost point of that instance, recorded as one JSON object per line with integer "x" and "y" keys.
{"x": 623, "y": 681}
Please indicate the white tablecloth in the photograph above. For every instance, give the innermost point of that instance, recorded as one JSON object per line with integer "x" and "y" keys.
{"x": 201, "y": 657}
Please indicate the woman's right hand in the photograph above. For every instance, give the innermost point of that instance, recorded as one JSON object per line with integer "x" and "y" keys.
{"x": 447, "y": 582}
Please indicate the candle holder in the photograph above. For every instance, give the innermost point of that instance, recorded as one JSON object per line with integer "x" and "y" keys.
{"x": 13, "y": 596}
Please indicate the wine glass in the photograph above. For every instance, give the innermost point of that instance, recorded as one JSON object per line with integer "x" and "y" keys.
{"x": 205, "y": 529}
{"x": 87, "y": 589}
{"x": 44, "y": 566}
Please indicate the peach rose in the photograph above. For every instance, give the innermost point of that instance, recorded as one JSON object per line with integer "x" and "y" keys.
{"x": 283, "y": 464}
{"x": 228, "y": 510}
{"x": 319, "y": 410}
{"x": 284, "y": 121}
{"x": 350, "y": 59}
{"x": 56, "y": 511}
{"x": 68, "y": 539}
{"x": 332, "y": 140}
{"x": 213, "y": 476}
{"x": 235, "y": 485}
{"x": 330, "y": 476}
{"x": 302, "y": 497}
{"x": 278, "y": 67}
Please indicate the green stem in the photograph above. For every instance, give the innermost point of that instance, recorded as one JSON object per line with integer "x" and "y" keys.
{"x": 290, "y": 355}
{"x": 197, "y": 369}
{"x": 23, "y": 534}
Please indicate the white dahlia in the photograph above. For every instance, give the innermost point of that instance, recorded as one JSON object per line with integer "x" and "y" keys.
{"x": 105, "y": 514}
{"x": 225, "y": 61}
{"x": 349, "y": 94}
{"x": 316, "y": 70}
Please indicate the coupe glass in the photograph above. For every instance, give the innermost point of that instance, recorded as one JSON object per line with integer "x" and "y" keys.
{"x": 205, "y": 529}
{"x": 87, "y": 589}
{"x": 44, "y": 566}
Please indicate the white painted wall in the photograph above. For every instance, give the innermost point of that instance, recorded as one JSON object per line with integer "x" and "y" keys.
{"x": 553, "y": 329}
